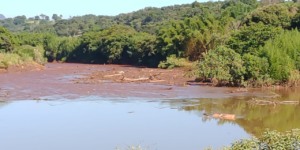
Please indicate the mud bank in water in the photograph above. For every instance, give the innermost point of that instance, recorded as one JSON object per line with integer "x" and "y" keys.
{"x": 77, "y": 80}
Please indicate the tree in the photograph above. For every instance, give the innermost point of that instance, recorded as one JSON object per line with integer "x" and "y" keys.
{"x": 6, "y": 40}
{"x": 277, "y": 15}
{"x": 256, "y": 69}
{"x": 47, "y": 18}
{"x": 42, "y": 16}
{"x": 283, "y": 54}
{"x": 55, "y": 17}
{"x": 223, "y": 65}
{"x": 37, "y": 17}
{"x": 117, "y": 44}
{"x": 267, "y": 2}
{"x": 2, "y": 17}
{"x": 250, "y": 38}
{"x": 51, "y": 43}
{"x": 19, "y": 20}
{"x": 238, "y": 8}
{"x": 191, "y": 37}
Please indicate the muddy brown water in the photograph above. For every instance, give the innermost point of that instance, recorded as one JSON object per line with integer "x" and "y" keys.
{"x": 48, "y": 110}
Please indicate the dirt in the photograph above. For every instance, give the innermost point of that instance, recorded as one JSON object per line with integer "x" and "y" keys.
{"x": 59, "y": 81}
{"x": 23, "y": 68}
{"x": 128, "y": 74}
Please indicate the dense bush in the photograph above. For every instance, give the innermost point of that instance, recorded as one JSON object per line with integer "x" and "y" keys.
{"x": 249, "y": 38}
{"x": 33, "y": 39}
{"x": 236, "y": 42}
{"x": 6, "y": 40}
{"x": 65, "y": 48}
{"x": 118, "y": 44}
{"x": 256, "y": 70}
{"x": 271, "y": 140}
{"x": 8, "y": 59}
{"x": 173, "y": 61}
{"x": 30, "y": 53}
{"x": 22, "y": 54}
{"x": 278, "y": 15}
{"x": 192, "y": 36}
{"x": 224, "y": 65}
{"x": 283, "y": 54}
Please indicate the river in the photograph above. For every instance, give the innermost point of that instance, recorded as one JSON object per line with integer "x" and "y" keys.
{"x": 47, "y": 110}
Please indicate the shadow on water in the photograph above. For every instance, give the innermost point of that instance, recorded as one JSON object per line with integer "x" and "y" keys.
{"x": 253, "y": 118}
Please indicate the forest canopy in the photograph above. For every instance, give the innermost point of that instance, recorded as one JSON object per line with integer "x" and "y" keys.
{"x": 233, "y": 42}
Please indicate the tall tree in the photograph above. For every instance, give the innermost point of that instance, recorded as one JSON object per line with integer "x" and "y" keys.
{"x": 19, "y": 20}
{"x": 56, "y": 17}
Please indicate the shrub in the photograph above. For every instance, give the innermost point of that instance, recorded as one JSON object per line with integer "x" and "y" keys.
{"x": 271, "y": 140}
{"x": 30, "y": 53}
{"x": 66, "y": 46}
{"x": 283, "y": 54}
{"x": 50, "y": 44}
{"x": 172, "y": 62}
{"x": 250, "y": 38}
{"x": 8, "y": 59}
{"x": 6, "y": 40}
{"x": 257, "y": 70}
{"x": 22, "y": 54}
{"x": 32, "y": 39}
{"x": 294, "y": 78}
{"x": 277, "y": 15}
{"x": 224, "y": 65}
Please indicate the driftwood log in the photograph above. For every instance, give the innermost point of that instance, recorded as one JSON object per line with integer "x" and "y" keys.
{"x": 272, "y": 102}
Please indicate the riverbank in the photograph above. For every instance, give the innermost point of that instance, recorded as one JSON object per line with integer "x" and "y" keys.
{"x": 76, "y": 80}
{"x": 131, "y": 74}
{"x": 25, "y": 67}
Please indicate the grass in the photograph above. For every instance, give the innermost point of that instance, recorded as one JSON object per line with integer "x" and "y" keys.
{"x": 173, "y": 62}
{"x": 8, "y": 59}
{"x": 22, "y": 55}
{"x": 294, "y": 79}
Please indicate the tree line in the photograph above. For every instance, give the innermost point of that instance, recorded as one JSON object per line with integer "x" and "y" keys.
{"x": 233, "y": 42}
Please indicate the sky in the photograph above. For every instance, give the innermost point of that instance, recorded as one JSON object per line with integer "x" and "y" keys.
{"x": 68, "y": 8}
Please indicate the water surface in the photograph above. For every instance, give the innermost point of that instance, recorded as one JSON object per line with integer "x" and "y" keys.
{"x": 47, "y": 110}
{"x": 97, "y": 123}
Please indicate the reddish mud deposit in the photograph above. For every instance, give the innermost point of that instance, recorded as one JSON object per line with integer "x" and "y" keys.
{"x": 76, "y": 80}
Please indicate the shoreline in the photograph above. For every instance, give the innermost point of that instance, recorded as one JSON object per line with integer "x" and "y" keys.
{"x": 74, "y": 80}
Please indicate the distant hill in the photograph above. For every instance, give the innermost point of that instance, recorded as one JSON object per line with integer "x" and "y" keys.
{"x": 2, "y": 17}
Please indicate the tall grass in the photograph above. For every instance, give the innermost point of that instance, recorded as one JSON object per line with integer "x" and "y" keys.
{"x": 173, "y": 62}
{"x": 8, "y": 59}
{"x": 21, "y": 55}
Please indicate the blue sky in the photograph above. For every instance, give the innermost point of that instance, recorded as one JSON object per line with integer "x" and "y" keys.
{"x": 30, "y": 8}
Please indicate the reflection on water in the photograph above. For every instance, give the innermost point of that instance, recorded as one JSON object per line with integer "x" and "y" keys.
{"x": 95, "y": 123}
{"x": 255, "y": 119}
{"x": 3, "y": 103}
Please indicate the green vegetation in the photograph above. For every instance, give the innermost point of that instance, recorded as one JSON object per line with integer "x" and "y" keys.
{"x": 173, "y": 61}
{"x": 271, "y": 140}
{"x": 234, "y": 42}
{"x": 14, "y": 53}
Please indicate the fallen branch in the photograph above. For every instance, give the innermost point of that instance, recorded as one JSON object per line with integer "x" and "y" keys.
{"x": 289, "y": 102}
{"x": 155, "y": 81}
{"x": 113, "y": 75}
{"x": 134, "y": 80}
{"x": 239, "y": 90}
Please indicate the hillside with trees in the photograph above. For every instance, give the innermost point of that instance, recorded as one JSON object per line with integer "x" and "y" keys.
{"x": 232, "y": 42}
